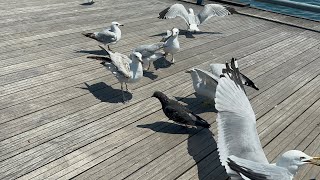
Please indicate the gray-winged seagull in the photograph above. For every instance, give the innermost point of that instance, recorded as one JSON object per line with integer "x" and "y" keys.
{"x": 239, "y": 146}
{"x": 192, "y": 20}
{"x": 125, "y": 69}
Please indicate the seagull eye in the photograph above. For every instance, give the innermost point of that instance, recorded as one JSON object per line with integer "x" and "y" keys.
{"x": 302, "y": 158}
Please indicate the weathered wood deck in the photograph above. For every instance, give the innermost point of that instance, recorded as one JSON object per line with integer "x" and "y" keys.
{"x": 60, "y": 112}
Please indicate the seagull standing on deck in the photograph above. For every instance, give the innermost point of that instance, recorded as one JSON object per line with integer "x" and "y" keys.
{"x": 192, "y": 20}
{"x": 171, "y": 45}
{"x": 178, "y": 113}
{"x": 239, "y": 146}
{"x": 150, "y": 53}
{"x": 125, "y": 69}
{"x": 109, "y": 36}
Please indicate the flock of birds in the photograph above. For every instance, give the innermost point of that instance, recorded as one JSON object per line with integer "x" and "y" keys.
{"x": 239, "y": 146}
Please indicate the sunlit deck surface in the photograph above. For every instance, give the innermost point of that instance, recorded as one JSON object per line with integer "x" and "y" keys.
{"x": 62, "y": 116}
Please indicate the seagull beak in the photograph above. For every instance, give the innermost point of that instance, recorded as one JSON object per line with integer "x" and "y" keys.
{"x": 140, "y": 60}
{"x": 314, "y": 161}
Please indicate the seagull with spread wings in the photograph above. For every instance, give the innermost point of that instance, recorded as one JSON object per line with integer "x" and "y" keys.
{"x": 239, "y": 146}
{"x": 205, "y": 83}
{"x": 192, "y": 20}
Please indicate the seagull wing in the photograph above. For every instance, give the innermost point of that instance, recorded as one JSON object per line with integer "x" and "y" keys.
{"x": 149, "y": 50}
{"x": 210, "y": 10}
{"x": 174, "y": 11}
{"x": 105, "y": 36}
{"x": 207, "y": 78}
{"x": 236, "y": 124}
{"x": 257, "y": 171}
{"x": 216, "y": 70}
{"x": 120, "y": 63}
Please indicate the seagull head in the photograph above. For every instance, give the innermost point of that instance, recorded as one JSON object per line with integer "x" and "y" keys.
{"x": 175, "y": 32}
{"x": 137, "y": 56}
{"x": 293, "y": 159}
{"x": 116, "y": 24}
{"x": 191, "y": 11}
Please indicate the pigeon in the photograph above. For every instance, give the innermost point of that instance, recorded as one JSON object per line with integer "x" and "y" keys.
{"x": 110, "y": 35}
{"x": 125, "y": 69}
{"x": 178, "y": 113}
{"x": 171, "y": 45}
{"x": 192, "y": 20}
{"x": 239, "y": 147}
{"x": 150, "y": 53}
{"x": 205, "y": 83}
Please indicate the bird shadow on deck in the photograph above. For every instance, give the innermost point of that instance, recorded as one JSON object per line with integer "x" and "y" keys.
{"x": 94, "y": 52}
{"x": 106, "y": 93}
{"x": 150, "y": 75}
{"x": 161, "y": 63}
{"x": 186, "y": 33}
{"x": 204, "y": 107}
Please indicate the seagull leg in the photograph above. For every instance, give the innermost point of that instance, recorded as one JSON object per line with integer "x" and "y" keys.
{"x": 172, "y": 61}
{"x": 128, "y": 90}
{"x": 123, "y": 97}
{"x": 109, "y": 48}
{"x": 149, "y": 65}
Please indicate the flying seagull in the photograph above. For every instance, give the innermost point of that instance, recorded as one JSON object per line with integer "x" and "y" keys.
{"x": 108, "y": 36}
{"x": 171, "y": 44}
{"x": 192, "y": 20}
{"x": 150, "y": 53}
{"x": 205, "y": 83}
{"x": 239, "y": 146}
{"x": 178, "y": 113}
{"x": 125, "y": 69}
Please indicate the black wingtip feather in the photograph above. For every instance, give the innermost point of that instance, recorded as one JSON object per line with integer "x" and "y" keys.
{"x": 232, "y": 10}
{"x": 163, "y": 13}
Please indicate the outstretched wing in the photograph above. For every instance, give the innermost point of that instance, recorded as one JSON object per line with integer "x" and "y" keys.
{"x": 210, "y": 10}
{"x": 149, "y": 50}
{"x": 236, "y": 124}
{"x": 207, "y": 78}
{"x": 174, "y": 11}
{"x": 257, "y": 171}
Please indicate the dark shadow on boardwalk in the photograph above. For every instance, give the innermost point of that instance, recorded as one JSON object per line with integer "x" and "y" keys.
{"x": 106, "y": 93}
{"x": 94, "y": 52}
{"x": 205, "y": 107}
{"x": 186, "y": 33}
{"x": 170, "y": 128}
{"x": 150, "y": 75}
{"x": 87, "y": 3}
{"x": 162, "y": 63}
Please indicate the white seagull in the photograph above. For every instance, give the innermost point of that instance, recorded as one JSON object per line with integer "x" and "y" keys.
{"x": 108, "y": 36}
{"x": 192, "y": 20}
{"x": 239, "y": 146}
{"x": 171, "y": 45}
{"x": 205, "y": 83}
{"x": 150, "y": 53}
{"x": 125, "y": 69}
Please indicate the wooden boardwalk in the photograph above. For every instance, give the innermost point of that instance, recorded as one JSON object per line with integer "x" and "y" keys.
{"x": 60, "y": 112}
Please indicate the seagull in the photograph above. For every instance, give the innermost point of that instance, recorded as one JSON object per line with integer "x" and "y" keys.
{"x": 125, "y": 69}
{"x": 150, "y": 53}
{"x": 110, "y": 35}
{"x": 192, "y": 20}
{"x": 171, "y": 45}
{"x": 239, "y": 146}
{"x": 205, "y": 83}
{"x": 178, "y": 113}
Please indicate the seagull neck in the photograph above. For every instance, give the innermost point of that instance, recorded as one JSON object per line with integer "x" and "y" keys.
{"x": 292, "y": 168}
{"x": 116, "y": 29}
